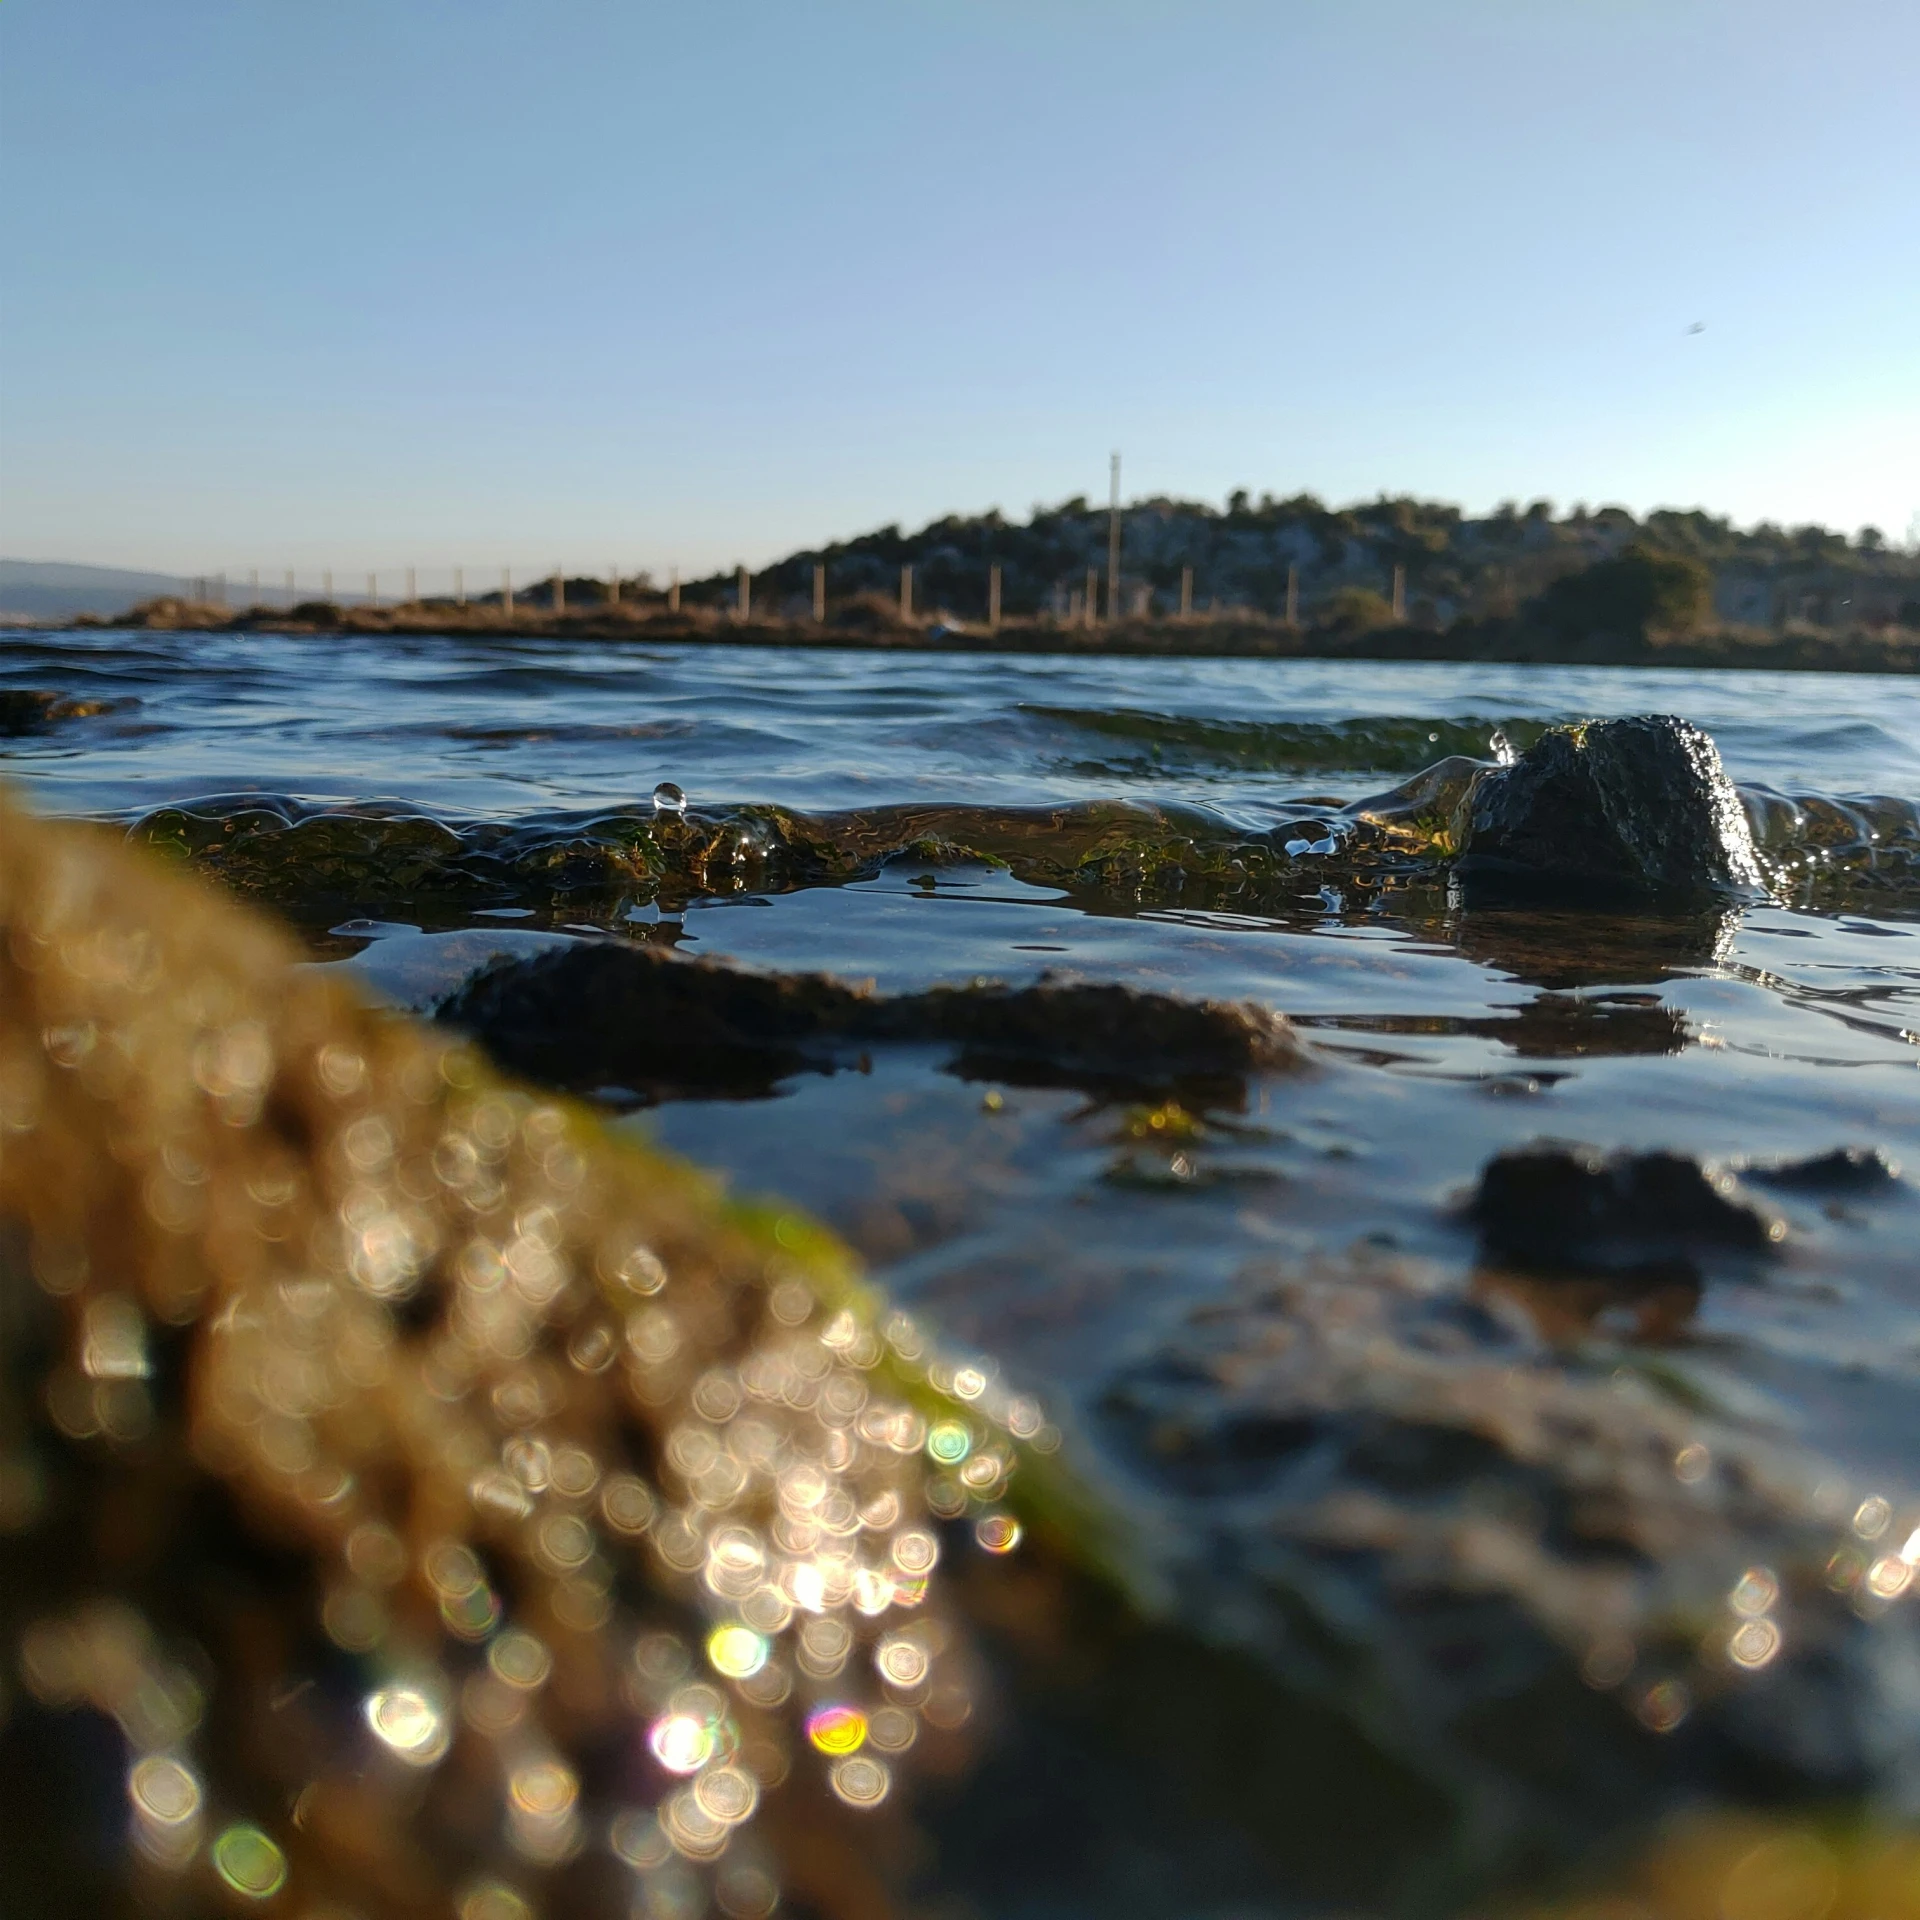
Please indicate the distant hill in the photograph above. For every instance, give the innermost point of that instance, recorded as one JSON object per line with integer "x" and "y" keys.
{"x": 1243, "y": 558}
{"x": 1325, "y": 566}
{"x": 54, "y": 590}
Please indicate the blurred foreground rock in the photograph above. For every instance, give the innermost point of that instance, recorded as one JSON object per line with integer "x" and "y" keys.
{"x": 411, "y": 1499}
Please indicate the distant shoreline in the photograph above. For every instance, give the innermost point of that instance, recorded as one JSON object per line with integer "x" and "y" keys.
{"x": 1508, "y": 641}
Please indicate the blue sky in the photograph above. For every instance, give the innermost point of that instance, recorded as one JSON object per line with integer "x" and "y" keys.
{"x": 390, "y": 282}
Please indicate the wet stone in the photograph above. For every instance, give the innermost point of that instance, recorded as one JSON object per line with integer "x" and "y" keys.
{"x": 25, "y": 710}
{"x": 648, "y": 1019}
{"x": 1565, "y": 1207}
{"x": 1616, "y": 809}
{"x": 1558, "y": 1592}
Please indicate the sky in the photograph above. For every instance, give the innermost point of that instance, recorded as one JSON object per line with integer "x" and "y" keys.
{"x": 388, "y": 283}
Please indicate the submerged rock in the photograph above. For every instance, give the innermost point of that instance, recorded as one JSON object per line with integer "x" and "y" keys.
{"x": 26, "y": 710}
{"x": 1570, "y": 1208}
{"x": 1616, "y": 809}
{"x": 1563, "y": 1590}
{"x": 604, "y": 1012}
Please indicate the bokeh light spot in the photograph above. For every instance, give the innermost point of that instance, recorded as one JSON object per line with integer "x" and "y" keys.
{"x": 861, "y": 1781}
{"x": 737, "y": 1652}
{"x": 998, "y": 1532}
{"x": 164, "y": 1790}
{"x": 1754, "y": 1643}
{"x": 681, "y": 1743}
{"x": 250, "y": 1863}
{"x": 837, "y": 1729}
{"x": 408, "y": 1725}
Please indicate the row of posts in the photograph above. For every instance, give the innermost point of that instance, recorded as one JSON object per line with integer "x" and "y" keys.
{"x": 1082, "y": 611}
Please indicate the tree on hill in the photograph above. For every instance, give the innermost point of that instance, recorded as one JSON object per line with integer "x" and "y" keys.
{"x": 1638, "y": 592}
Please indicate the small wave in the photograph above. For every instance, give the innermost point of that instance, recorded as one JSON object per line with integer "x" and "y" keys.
{"x": 1827, "y": 851}
{"x": 385, "y": 856}
{"x": 1817, "y": 851}
{"x": 1380, "y": 744}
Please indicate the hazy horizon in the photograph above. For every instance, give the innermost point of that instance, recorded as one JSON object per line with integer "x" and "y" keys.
{"x": 403, "y": 285}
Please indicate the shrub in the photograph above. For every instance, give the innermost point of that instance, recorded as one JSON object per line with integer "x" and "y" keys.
{"x": 1357, "y": 610}
{"x": 1638, "y": 592}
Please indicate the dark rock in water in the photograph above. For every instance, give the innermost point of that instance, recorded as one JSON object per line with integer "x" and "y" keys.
{"x": 1576, "y": 1600}
{"x": 1619, "y": 809}
{"x": 26, "y": 710}
{"x": 633, "y": 1014}
{"x": 1571, "y": 1208}
{"x": 1843, "y": 1170}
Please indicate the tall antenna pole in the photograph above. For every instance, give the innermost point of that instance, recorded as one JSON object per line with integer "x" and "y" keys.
{"x": 1113, "y": 544}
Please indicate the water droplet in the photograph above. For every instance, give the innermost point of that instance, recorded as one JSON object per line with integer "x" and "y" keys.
{"x": 668, "y": 798}
{"x": 1502, "y": 748}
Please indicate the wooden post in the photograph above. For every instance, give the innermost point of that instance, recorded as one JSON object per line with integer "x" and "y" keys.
{"x": 613, "y": 586}
{"x": 506, "y": 591}
{"x": 289, "y": 586}
{"x": 746, "y": 593}
{"x": 819, "y": 593}
{"x": 413, "y": 591}
{"x": 993, "y": 598}
{"x": 559, "y": 591}
{"x": 1091, "y": 609}
{"x": 1399, "y": 593}
{"x": 373, "y": 589}
{"x": 326, "y": 584}
{"x": 253, "y": 584}
{"x": 1113, "y": 541}
{"x": 906, "y": 593}
{"x": 459, "y": 586}
{"x": 673, "y": 591}
{"x": 1293, "y": 596}
{"x": 1186, "y": 593}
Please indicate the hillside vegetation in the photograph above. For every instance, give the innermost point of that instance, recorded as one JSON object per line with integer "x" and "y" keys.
{"x": 1454, "y": 567}
{"x": 1395, "y": 578}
